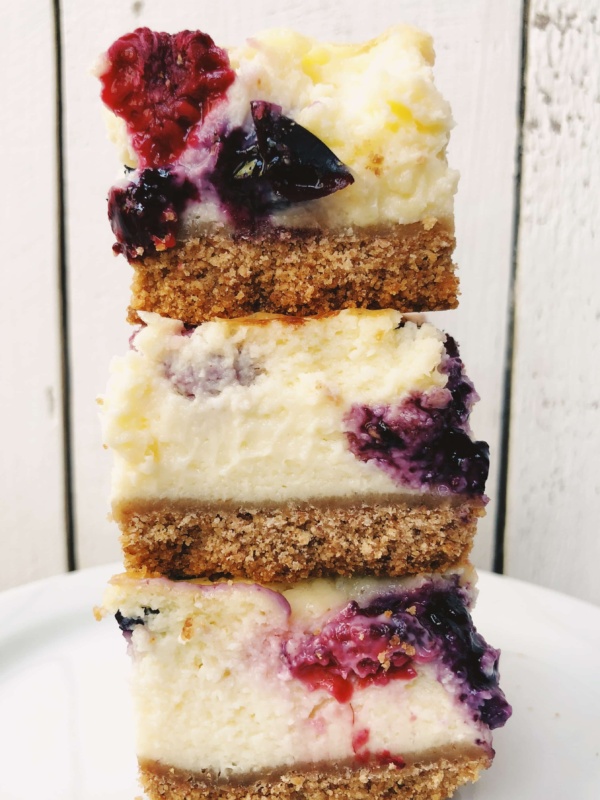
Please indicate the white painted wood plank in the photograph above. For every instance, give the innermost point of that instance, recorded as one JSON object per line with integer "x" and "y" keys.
{"x": 31, "y": 468}
{"x": 477, "y": 45}
{"x": 554, "y": 479}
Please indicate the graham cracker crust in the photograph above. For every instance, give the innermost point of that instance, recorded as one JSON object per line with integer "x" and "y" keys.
{"x": 293, "y": 542}
{"x": 300, "y": 272}
{"x": 434, "y": 779}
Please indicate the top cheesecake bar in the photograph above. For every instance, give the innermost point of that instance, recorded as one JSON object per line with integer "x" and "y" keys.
{"x": 287, "y": 175}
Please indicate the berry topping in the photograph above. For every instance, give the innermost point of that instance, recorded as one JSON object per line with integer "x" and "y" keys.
{"x": 144, "y": 215}
{"x": 273, "y": 165}
{"x": 162, "y": 85}
{"x": 424, "y": 441}
{"x": 389, "y": 637}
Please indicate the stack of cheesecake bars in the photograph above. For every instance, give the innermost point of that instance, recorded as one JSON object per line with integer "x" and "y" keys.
{"x": 295, "y": 479}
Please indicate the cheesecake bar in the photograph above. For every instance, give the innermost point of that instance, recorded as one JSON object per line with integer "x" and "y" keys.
{"x": 281, "y": 448}
{"x": 338, "y": 688}
{"x": 286, "y": 175}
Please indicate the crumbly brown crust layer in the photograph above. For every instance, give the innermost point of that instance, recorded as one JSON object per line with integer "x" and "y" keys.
{"x": 294, "y": 542}
{"x": 432, "y": 780}
{"x": 299, "y": 272}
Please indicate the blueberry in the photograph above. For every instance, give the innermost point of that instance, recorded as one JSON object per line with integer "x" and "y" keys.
{"x": 297, "y": 163}
{"x": 423, "y": 442}
{"x": 127, "y": 624}
{"x": 275, "y": 163}
{"x": 144, "y": 215}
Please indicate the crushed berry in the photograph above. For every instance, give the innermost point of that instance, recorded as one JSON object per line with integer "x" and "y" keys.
{"x": 212, "y": 377}
{"x": 188, "y": 329}
{"x": 384, "y": 757}
{"x": 128, "y": 624}
{"x": 424, "y": 441}
{"x": 144, "y": 215}
{"x": 274, "y": 164}
{"x": 316, "y": 676}
{"x": 162, "y": 85}
{"x": 362, "y": 755}
{"x": 390, "y": 636}
{"x": 360, "y": 739}
{"x": 460, "y": 387}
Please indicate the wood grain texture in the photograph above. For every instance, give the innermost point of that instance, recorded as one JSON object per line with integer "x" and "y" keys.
{"x": 31, "y": 466}
{"x": 477, "y": 46}
{"x": 554, "y": 477}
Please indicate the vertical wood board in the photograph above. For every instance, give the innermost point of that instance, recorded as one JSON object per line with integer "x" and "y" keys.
{"x": 477, "y": 68}
{"x": 32, "y": 520}
{"x": 554, "y": 477}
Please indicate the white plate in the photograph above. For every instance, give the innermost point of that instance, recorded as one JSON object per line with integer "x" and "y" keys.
{"x": 65, "y": 719}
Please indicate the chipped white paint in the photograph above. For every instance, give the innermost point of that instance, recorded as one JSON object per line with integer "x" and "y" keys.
{"x": 477, "y": 69}
{"x": 31, "y": 469}
{"x": 554, "y": 486}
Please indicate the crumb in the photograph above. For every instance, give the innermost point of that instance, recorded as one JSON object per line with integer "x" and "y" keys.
{"x": 187, "y": 630}
{"x": 384, "y": 661}
{"x": 374, "y": 164}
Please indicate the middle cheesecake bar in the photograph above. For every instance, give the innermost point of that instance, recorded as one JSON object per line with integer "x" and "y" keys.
{"x": 278, "y": 448}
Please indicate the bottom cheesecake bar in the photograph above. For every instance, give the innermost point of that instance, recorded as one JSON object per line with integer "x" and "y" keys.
{"x": 345, "y": 688}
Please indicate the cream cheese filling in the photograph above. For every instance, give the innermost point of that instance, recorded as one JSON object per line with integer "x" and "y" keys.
{"x": 211, "y": 694}
{"x": 253, "y": 410}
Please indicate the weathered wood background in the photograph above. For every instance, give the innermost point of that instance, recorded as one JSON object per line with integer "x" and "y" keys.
{"x": 524, "y": 83}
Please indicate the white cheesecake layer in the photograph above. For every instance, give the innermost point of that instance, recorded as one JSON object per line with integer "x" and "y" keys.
{"x": 211, "y": 690}
{"x": 252, "y": 410}
{"x": 374, "y": 104}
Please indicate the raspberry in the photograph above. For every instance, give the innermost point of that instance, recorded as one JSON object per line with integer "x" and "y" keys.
{"x": 162, "y": 85}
